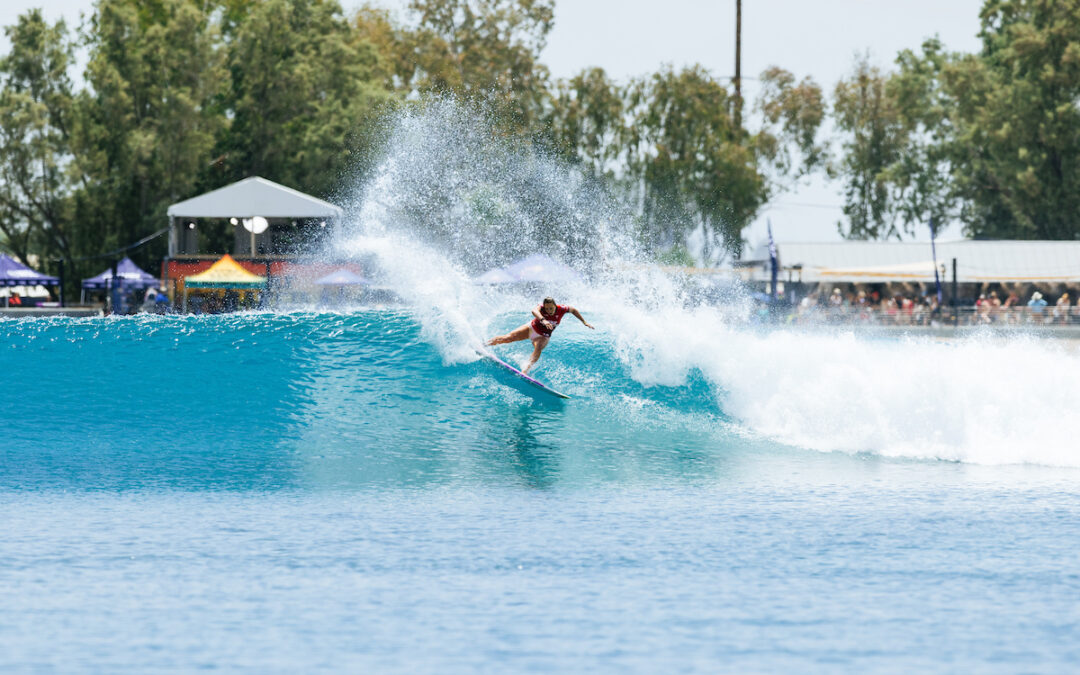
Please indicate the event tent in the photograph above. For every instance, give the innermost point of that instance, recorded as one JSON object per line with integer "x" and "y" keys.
{"x": 226, "y": 273}
{"x": 14, "y": 273}
{"x": 244, "y": 199}
{"x": 977, "y": 261}
{"x": 536, "y": 268}
{"x": 18, "y": 278}
{"x": 129, "y": 274}
{"x": 254, "y": 197}
{"x": 342, "y": 277}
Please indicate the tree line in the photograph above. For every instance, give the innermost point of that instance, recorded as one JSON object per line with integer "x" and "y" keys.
{"x": 182, "y": 96}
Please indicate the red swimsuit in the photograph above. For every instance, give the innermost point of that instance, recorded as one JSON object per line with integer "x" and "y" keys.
{"x": 560, "y": 311}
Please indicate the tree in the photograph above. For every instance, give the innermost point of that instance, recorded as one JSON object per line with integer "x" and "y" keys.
{"x": 866, "y": 113}
{"x": 483, "y": 50}
{"x": 1018, "y": 122}
{"x": 689, "y": 163}
{"x": 304, "y": 94}
{"x": 921, "y": 178}
{"x": 35, "y": 124}
{"x": 585, "y": 122}
{"x": 793, "y": 113}
{"x": 147, "y": 125}
{"x": 988, "y": 137}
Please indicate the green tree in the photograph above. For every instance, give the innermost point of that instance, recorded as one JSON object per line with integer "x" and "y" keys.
{"x": 305, "y": 92}
{"x": 691, "y": 167}
{"x": 921, "y": 178}
{"x": 873, "y": 141}
{"x": 1018, "y": 123}
{"x": 793, "y": 113}
{"x": 585, "y": 121}
{"x": 146, "y": 126}
{"x": 35, "y": 123}
{"x": 483, "y": 50}
{"x": 988, "y": 137}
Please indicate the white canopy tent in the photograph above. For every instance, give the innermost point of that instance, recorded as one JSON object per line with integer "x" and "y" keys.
{"x": 245, "y": 199}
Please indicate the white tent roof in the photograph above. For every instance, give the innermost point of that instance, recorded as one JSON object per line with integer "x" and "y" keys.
{"x": 254, "y": 197}
{"x": 976, "y": 261}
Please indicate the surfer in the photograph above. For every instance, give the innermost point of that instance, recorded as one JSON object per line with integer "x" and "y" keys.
{"x": 547, "y": 316}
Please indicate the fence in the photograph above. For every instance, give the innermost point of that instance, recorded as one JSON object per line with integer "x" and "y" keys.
{"x": 923, "y": 315}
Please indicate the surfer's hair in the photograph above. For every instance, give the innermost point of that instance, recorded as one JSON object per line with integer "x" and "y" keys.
{"x": 547, "y": 300}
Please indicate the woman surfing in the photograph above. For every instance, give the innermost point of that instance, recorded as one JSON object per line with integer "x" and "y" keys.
{"x": 547, "y": 316}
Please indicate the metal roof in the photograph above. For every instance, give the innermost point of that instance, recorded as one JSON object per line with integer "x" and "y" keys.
{"x": 254, "y": 197}
{"x": 877, "y": 261}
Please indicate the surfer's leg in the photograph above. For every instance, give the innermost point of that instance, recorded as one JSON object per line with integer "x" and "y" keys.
{"x": 538, "y": 346}
{"x": 516, "y": 335}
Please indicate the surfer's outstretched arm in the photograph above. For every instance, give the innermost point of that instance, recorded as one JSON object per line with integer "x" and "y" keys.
{"x": 573, "y": 310}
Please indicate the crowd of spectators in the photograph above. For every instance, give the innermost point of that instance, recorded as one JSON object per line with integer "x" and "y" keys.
{"x": 876, "y": 306}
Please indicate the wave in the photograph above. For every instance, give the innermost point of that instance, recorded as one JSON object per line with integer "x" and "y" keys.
{"x": 683, "y": 380}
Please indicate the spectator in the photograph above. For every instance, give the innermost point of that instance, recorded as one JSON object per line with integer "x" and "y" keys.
{"x": 1010, "y": 308}
{"x": 982, "y": 310}
{"x": 1061, "y": 309}
{"x": 862, "y": 304}
{"x": 836, "y": 305}
{"x": 14, "y": 300}
{"x": 1036, "y": 305}
{"x": 995, "y": 306}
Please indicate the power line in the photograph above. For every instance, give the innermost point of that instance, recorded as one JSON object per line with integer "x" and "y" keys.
{"x": 122, "y": 249}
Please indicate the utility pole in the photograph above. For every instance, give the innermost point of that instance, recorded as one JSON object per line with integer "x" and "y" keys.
{"x": 738, "y": 66}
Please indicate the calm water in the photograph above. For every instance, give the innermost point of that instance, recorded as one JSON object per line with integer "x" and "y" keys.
{"x": 323, "y": 492}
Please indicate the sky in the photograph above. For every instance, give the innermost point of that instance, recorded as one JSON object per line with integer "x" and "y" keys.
{"x": 630, "y": 38}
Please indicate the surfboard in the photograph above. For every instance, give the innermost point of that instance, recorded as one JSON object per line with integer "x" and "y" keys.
{"x": 534, "y": 384}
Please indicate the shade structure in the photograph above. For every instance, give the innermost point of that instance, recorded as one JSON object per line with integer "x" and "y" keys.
{"x": 977, "y": 261}
{"x": 14, "y": 273}
{"x": 128, "y": 273}
{"x": 342, "y": 277}
{"x": 913, "y": 271}
{"x": 225, "y": 273}
{"x": 254, "y": 197}
{"x": 536, "y": 268}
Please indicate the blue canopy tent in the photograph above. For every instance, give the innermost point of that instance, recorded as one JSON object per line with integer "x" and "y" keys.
{"x": 14, "y": 273}
{"x": 128, "y": 273}
{"x": 129, "y": 277}
{"x": 339, "y": 279}
{"x": 536, "y": 268}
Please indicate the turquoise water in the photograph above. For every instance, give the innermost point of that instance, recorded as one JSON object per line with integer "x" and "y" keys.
{"x": 328, "y": 492}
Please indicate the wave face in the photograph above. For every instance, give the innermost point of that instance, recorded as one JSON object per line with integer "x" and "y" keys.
{"x": 264, "y": 400}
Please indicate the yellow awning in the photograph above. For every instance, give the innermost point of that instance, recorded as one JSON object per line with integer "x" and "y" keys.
{"x": 225, "y": 273}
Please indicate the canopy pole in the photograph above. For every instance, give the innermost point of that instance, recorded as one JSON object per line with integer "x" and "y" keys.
{"x": 955, "y": 311}
{"x": 114, "y": 295}
{"x": 61, "y": 282}
{"x": 185, "y": 299}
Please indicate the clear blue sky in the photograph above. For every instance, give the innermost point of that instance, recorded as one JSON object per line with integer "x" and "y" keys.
{"x": 634, "y": 37}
